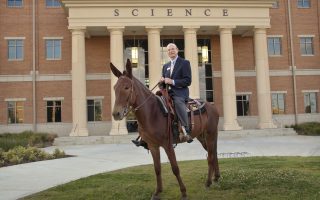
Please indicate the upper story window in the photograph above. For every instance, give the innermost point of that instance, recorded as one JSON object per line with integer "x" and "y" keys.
{"x": 14, "y": 3}
{"x": 275, "y": 4}
{"x": 52, "y": 3}
{"x": 15, "y": 48}
{"x": 274, "y": 46}
{"x": 303, "y": 3}
{"x": 53, "y": 49}
{"x": 306, "y": 46}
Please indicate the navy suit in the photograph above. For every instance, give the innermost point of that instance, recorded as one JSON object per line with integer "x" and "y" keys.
{"x": 181, "y": 75}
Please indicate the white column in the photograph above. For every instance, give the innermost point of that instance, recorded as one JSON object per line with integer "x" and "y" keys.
{"x": 263, "y": 79}
{"x": 155, "y": 67}
{"x": 79, "y": 100}
{"x": 191, "y": 54}
{"x": 116, "y": 57}
{"x": 228, "y": 80}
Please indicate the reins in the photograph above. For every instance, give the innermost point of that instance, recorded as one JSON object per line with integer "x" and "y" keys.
{"x": 139, "y": 106}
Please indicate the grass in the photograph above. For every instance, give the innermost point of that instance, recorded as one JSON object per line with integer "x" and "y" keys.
{"x": 27, "y": 138}
{"x": 241, "y": 178}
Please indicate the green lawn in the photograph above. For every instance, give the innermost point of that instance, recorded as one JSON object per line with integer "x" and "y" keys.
{"x": 241, "y": 178}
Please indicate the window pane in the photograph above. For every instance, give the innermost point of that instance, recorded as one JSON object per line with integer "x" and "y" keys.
{"x": 19, "y": 53}
{"x": 12, "y": 53}
{"x": 58, "y": 114}
{"x": 90, "y": 113}
{"x": 209, "y": 84}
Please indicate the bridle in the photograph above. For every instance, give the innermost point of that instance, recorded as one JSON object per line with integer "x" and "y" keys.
{"x": 127, "y": 108}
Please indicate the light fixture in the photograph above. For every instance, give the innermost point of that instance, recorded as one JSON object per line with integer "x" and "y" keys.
{"x": 134, "y": 51}
{"x": 204, "y": 53}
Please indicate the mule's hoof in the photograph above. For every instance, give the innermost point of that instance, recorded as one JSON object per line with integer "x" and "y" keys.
{"x": 184, "y": 198}
{"x": 155, "y": 197}
{"x": 208, "y": 184}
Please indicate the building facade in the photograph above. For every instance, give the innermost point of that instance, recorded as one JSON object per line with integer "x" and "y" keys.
{"x": 256, "y": 60}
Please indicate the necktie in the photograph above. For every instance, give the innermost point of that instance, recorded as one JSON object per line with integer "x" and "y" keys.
{"x": 171, "y": 68}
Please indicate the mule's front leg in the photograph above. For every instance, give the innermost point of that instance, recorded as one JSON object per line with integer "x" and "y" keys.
{"x": 155, "y": 152}
{"x": 175, "y": 169}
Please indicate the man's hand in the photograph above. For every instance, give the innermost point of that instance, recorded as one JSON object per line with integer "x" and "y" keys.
{"x": 168, "y": 81}
{"x": 161, "y": 80}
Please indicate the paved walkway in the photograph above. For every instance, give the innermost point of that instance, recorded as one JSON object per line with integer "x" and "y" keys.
{"x": 22, "y": 180}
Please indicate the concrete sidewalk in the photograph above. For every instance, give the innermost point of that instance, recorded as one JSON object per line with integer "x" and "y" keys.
{"x": 22, "y": 180}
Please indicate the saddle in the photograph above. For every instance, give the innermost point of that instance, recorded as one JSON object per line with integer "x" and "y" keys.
{"x": 194, "y": 107}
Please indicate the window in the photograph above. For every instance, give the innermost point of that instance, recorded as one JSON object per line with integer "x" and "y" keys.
{"x": 275, "y": 4}
{"x": 303, "y": 3}
{"x": 15, "y": 49}
{"x": 94, "y": 110}
{"x": 53, "y": 111}
{"x": 277, "y": 103}
{"x": 15, "y": 112}
{"x": 53, "y": 49}
{"x": 242, "y": 105}
{"x": 274, "y": 45}
{"x": 53, "y": 3}
{"x": 306, "y": 46}
{"x": 205, "y": 70}
{"x": 14, "y": 3}
{"x": 310, "y": 102}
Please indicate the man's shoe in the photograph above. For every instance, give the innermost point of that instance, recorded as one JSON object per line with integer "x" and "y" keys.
{"x": 136, "y": 142}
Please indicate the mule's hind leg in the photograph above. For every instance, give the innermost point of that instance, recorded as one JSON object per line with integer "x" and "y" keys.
{"x": 208, "y": 146}
{"x": 155, "y": 152}
{"x": 175, "y": 169}
{"x": 210, "y": 159}
{"x": 215, "y": 163}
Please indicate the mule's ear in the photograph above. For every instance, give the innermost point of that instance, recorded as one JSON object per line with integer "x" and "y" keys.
{"x": 129, "y": 68}
{"x": 115, "y": 71}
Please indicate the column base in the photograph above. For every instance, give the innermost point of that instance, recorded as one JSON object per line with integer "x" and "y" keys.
{"x": 119, "y": 128}
{"x": 82, "y": 132}
{"x": 232, "y": 127}
{"x": 266, "y": 125}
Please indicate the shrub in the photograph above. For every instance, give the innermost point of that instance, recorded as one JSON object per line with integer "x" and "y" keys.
{"x": 25, "y": 139}
{"x": 308, "y": 128}
{"x": 19, "y": 155}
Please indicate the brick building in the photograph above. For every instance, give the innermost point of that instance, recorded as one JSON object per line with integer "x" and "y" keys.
{"x": 257, "y": 60}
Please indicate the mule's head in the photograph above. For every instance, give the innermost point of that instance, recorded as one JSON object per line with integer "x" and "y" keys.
{"x": 123, "y": 90}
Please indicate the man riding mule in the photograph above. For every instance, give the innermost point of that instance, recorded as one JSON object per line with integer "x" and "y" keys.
{"x": 176, "y": 74}
{"x": 130, "y": 93}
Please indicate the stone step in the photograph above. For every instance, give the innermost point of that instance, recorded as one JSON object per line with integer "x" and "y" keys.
{"x": 125, "y": 139}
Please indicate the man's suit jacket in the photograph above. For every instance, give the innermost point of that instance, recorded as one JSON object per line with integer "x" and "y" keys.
{"x": 181, "y": 75}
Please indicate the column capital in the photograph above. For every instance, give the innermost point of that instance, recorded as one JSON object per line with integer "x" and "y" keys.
{"x": 190, "y": 28}
{"x": 115, "y": 28}
{"x": 226, "y": 27}
{"x": 77, "y": 28}
{"x": 154, "y": 27}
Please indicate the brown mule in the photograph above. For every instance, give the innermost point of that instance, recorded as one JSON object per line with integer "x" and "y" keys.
{"x": 153, "y": 126}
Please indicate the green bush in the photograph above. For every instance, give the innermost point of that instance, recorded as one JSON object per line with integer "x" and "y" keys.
{"x": 19, "y": 155}
{"x": 308, "y": 128}
{"x": 25, "y": 139}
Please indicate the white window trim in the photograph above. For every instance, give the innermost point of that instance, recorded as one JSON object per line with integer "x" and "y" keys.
{"x": 95, "y": 97}
{"x": 309, "y": 91}
{"x": 14, "y": 38}
{"x": 306, "y": 36}
{"x": 243, "y": 93}
{"x": 52, "y": 38}
{"x": 53, "y": 98}
{"x": 279, "y": 92}
{"x": 275, "y": 36}
{"x": 15, "y": 99}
